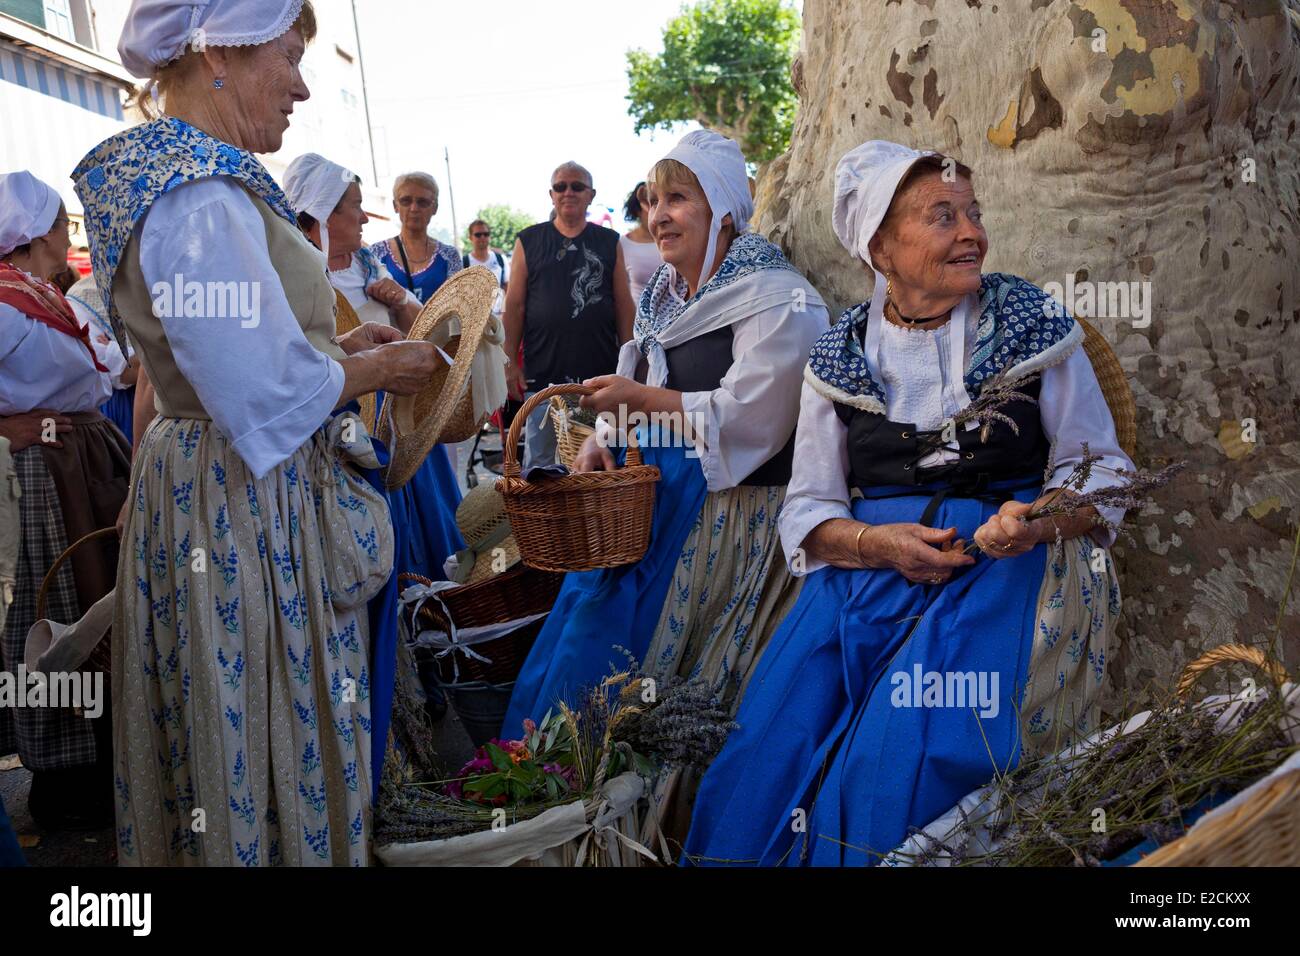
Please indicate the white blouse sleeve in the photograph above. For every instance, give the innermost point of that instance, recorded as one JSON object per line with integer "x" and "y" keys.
{"x": 1074, "y": 411}
{"x": 43, "y": 368}
{"x": 749, "y": 417}
{"x": 411, "y": 297}
{"x": 267, "y": 389}
{"x": 819, "y": 489}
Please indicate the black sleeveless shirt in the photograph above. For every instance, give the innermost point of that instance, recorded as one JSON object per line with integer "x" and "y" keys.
{"x": 698, "y": 366}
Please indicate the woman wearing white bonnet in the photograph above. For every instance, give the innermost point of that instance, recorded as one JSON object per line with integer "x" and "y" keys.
{"x": 835, "y": 720}
{"x": 327, "y": 198}
{"x": 243, "y": 604}
{"x": 72, "y": 466}
{"x": 720, "y": 338}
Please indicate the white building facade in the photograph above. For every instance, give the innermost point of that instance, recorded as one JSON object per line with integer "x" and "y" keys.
{"x": 63, "y": 90}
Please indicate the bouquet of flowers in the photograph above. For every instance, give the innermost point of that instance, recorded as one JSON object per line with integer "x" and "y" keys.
{"x": 505, "y": 772}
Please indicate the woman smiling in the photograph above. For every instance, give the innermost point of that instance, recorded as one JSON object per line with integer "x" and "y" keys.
{"x": 721, "y": 336}
{"x": 826, "y": 733}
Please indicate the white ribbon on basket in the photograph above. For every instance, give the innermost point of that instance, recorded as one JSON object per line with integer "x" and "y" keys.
{"x": 459, "y": 640}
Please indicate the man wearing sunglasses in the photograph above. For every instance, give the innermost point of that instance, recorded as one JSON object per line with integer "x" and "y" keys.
{"x": 482, "y": 254}
{"x": 568, "y": 303}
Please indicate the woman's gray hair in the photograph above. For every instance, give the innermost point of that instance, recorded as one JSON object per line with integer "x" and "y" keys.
{"x": 420, "y": 179}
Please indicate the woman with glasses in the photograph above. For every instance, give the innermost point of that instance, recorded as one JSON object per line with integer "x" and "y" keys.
{"x": 414, "y": 258}
{"x": 72, "y": 467}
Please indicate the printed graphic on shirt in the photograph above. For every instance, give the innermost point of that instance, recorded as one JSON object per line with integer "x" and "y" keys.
{"x": 587, "y": 282}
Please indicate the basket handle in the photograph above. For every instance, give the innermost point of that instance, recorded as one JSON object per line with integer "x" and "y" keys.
{"x": 48, "y": 580}
{"x": 1226, "y": 653}
{"x": 510, "y": 460}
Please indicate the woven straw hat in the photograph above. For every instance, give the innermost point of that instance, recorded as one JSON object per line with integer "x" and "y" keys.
{"x": 345, "y": 320}
{"x": 419, "y": 420}
{"x": 1114, "y": 386}
{"x": 483, "y": 524}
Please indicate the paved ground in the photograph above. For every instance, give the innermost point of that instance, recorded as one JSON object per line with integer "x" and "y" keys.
{"x": 98, "y": 847}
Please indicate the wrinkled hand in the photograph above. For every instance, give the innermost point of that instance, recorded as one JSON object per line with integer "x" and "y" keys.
{"x": 920, "y": 554}
{"x": 26, "y": 429}
{"x": 407, "y": 366}
{"x": 613, "y": 392}
{"x": 593, "y": 456}
{"x": 386, "y": 292}
{"x": 1006, "y": 534}
{"x": 367, "y": 336}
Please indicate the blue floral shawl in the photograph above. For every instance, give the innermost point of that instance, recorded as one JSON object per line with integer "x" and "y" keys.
{"x": 1020, "y": 329}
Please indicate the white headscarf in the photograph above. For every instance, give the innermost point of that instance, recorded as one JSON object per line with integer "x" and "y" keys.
{"x": 866, "y": 180}
{"x": 719, "y": 165}
{"x": 158, "y": 31}
{"x": 28, "y": 208}
{"x": 314, "y": 185}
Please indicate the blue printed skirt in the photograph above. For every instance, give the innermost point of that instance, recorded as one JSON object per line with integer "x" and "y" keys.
{"x": 879, "y": 705}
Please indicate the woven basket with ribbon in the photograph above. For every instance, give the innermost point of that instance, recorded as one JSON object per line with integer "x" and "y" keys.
{"x": 100, "y": 657}
{"x": 578, "y": 522}
{"x": 569, "y": 434}
{"x": 1262, "y": 826}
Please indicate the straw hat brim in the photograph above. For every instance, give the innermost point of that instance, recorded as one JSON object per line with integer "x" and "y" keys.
{"x": 345, "y": 320}
{"x": 481, "y": 513}
{"x": 467, "y": 296}
{"x": 1114, "y": 386}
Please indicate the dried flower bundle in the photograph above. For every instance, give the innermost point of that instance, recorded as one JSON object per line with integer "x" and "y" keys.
{"x": 627, "y": 722}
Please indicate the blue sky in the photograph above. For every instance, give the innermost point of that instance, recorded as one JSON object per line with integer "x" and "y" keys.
{"x": 512, "y": 88}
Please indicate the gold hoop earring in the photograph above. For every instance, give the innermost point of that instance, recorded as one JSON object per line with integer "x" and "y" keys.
{"x": 889, "y": 287}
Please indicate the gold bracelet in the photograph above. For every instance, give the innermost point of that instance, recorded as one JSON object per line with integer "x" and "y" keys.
{"x": 857, "y": 542}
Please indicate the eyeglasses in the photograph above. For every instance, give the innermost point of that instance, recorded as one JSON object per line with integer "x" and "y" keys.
{"x": 577, "y": 187}
{"x": 74, "y": 227}
{"x": 482, "y": 235}
{"x": 408, "y": 201}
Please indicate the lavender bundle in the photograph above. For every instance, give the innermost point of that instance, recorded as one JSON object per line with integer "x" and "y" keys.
{"x": 998, "y": 392}
{"x": 1133, "y": 491}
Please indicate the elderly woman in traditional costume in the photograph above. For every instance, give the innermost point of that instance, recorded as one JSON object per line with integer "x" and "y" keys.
{"x": 72, "y": 466}
{"x": 249, "y": 681}
{"x": 721, "y": 335}
{"x": 910, "y": 670}
{"x": 327, "y": 199}
{"x": 419, "y": 262}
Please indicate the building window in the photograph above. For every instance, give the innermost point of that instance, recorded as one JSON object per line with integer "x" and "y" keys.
{"x": 58, "y": 19}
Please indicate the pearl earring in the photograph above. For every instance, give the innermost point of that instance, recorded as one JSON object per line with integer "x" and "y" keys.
{"x": 219, "y": 83}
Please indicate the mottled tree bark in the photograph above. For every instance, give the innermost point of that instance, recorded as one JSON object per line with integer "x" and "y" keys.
{"x": 1149, "y": 141}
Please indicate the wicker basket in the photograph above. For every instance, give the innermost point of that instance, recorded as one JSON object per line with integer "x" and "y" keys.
{"x": 578, "y": 522}
{"x": 1114, "y": 386}
{"x": 519, "y": 592}
{"x": 569, "y": 435}
{"x": 101, "y": 657}
{"x": 1264, "y": 830}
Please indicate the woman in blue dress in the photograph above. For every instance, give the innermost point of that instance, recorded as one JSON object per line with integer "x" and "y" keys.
{"x": 720, "y": 338}
{"x": 327, "y": 200}
{"x": 910, "y": 670}
{"x": 415, "y": 259}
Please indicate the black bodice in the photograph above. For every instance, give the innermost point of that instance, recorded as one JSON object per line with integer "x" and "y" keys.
{"x": 883, "y": 452}
{"x": 698, "y": 366}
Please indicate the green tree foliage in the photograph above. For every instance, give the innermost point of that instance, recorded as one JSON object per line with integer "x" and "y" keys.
{"x": 725, "y": 65}
{"x": 505, "y": 222}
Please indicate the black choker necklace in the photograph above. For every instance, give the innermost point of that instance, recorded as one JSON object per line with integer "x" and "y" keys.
{"x": 910, "y": 321}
